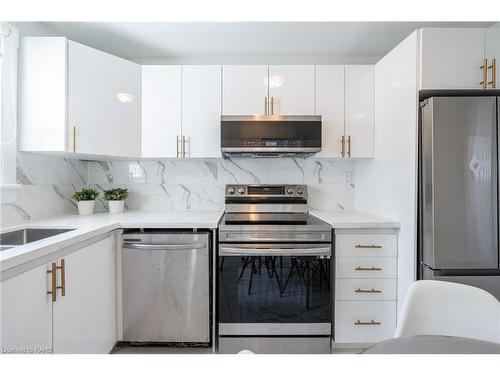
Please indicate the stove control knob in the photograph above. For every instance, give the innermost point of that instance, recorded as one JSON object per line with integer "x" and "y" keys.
{"x": 299, "y": 191}
{"x": 241, "y": 190}
{"x": 289, "y": 190}
{"x": 230, "y": 190}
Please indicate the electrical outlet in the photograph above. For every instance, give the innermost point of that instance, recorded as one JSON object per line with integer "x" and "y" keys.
{"x": 347, "y": 178}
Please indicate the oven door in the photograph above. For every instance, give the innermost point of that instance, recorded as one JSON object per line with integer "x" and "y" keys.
{"x": 275, "y": 289}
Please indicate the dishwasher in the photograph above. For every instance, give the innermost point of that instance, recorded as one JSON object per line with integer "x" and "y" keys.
{"x": 166, "y": 287}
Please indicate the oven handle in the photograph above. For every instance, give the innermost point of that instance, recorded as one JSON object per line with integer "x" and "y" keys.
{"x": 249, "y": 251}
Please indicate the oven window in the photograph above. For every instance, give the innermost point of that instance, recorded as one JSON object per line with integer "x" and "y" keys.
{"x": 274, "y": 289}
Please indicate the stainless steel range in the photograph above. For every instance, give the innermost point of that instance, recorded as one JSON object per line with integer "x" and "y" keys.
{"x": 275, "y": 284}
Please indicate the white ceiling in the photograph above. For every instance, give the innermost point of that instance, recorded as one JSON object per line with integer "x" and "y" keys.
{"x": 237, "y": 42}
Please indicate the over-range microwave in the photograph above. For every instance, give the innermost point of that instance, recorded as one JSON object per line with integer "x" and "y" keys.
{"x": 270, "y": 136}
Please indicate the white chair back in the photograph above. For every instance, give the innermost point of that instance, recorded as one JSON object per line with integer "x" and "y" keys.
{"x": 449, "y": 309}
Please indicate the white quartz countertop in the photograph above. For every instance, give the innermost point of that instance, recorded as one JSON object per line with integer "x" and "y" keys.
{"x": 347, "y": 219}
{"x": 86, "y": 227}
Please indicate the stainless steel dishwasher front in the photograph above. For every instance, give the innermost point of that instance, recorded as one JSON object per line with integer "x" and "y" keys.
{"x": 166, "y": 287}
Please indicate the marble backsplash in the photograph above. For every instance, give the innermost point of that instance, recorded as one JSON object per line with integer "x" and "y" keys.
{"x": 46, "y": 186}
{"x": 198, "y": 184}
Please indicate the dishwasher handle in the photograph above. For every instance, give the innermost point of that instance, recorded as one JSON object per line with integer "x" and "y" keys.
{"x": 186, "y": 246}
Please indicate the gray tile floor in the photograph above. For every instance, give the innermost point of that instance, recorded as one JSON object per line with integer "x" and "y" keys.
{"x": 168, "y": 350}
{"x": 159, "y": 350}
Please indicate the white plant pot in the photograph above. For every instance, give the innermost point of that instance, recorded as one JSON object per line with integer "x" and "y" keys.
{"x": 116, "y": 207}
{"x": 86, "y": 207}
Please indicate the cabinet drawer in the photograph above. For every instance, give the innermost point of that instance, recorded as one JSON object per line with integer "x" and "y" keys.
{"x": 364, "y": 321}
{"x": 366, "y": 267}
{"x": 365, "y": 289}
{"x": 366, "y": 244}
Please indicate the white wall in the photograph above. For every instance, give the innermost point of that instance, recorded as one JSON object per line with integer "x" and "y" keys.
{"x": 386, "y": 184}
{"x": 9, "y": 43}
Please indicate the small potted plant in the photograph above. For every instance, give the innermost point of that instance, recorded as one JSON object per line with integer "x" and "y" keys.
{"x": 116, "y": 199}
{"x": 86, "y": 201}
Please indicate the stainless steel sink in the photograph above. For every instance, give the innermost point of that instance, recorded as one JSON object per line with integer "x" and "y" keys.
{"x": 23, "y": 236}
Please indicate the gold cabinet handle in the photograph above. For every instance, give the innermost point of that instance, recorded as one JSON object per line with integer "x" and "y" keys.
{"x": 266, "y": 110}
{"x": 349, "y": 146}
{"x": 493, "y": 68}
{"x": 369, "y": 323}
{"x": 368, "y": 269}
{"x": 359, "y": 290}
{"x": 53, "y": 282}
{"x": 361, "y": 246}
{"x": 184, "y": 147}
{"x": 343, "y": 146}
{"x": 178, "y": 142}
{"x": 62, "y": 267}
{"x": 272, "y": 105}
{"x": 484, "y": 67}
{"x": 74, "y": 139}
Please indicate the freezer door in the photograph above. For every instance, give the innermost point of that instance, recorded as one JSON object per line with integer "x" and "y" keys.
{"x": 459, "y": 183}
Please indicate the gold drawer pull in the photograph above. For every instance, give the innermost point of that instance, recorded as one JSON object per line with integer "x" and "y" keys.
{"x": 178, "y": 141}
{"x": 484, "y": 67}
{"x": 367, "y": 290}
{"x": 343, "y": 146}
{"x": 62, "y": 267}
{"x": 368, "y": 269}
{"x": 370, "y": 323}
{"x": 493, "y": 68}
{"x": 184, "y": 148}
{"x": 361, "y": 246}
{"x": 53, "y": 282}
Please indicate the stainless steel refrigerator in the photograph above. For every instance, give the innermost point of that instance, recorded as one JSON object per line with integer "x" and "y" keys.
{"x": 458, "y": 190}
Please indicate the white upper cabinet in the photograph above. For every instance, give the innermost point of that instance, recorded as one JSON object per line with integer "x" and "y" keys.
{"x": 451, "y": 58}
{"x": 26, "y": 312}
{"x": 104, "y": 101}
{"x": 76, "y": 99}
{"x": 291, "y": 89}
{"x": 359, "y": 110}
{"x": 492, "y": 52}
{"x": 244, "y": 89}
{"x": 201, "y": 110}
{"x": 42, "y": 95}
{"x": 330, "y": 105}
{"x": 161, "y": 111}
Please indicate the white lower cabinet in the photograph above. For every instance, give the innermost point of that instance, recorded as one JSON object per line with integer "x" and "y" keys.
{"x": 26, "y": 312}
{"x": 366, "y": 267}
{"x": 364, "y": 321}
{"x": 365, "y": 290}
{"x": 81, "y": 319}
{"x": 85, "y": 317}
{"x": 365, "y": 285}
